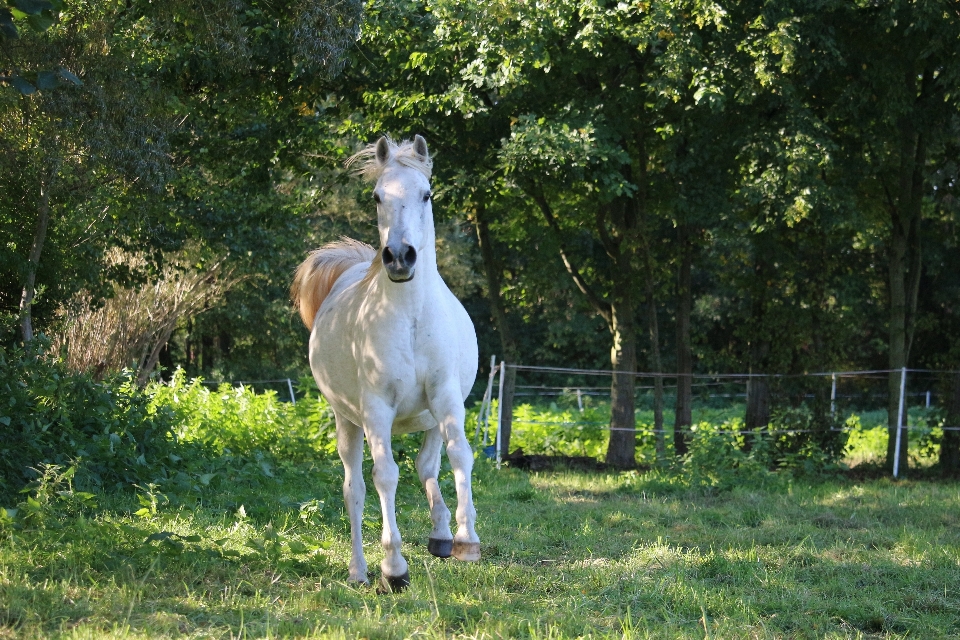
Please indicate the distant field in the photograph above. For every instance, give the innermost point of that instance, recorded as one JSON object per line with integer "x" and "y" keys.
{"x": 565, "y": 555}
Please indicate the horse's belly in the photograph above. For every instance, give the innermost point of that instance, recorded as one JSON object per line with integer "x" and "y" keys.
{"x": 420, "y": 422}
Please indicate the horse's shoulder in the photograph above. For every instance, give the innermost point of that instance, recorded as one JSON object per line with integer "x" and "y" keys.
{"x": 348, "y": 288}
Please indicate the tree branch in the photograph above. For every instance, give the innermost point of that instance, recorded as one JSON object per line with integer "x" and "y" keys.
{"x": 599, "y": 305}
{"x": 610, "y": 245}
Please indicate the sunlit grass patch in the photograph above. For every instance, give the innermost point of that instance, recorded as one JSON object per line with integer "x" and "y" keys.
{"x": 565, "y": 555}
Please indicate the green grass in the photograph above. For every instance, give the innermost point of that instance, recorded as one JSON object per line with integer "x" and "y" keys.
{"x": 565, "y": 555}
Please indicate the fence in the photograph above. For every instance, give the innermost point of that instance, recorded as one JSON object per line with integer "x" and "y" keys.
{"x": 842, "y": 390}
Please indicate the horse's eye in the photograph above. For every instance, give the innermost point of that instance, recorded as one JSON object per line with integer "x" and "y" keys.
{"x": 426, "y": 196}
{"x": 376, "y": 197}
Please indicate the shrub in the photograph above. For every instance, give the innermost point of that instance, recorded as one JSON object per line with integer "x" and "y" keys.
{"x": 238, "y": 421}
{"x": 716, "y": 459}
{"x": 49, "y": 415}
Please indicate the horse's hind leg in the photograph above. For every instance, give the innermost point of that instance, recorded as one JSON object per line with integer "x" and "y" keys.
{"x": 350, "y": 448}
{"x": 440, "y": 542}
{"x": 447, "y": 408}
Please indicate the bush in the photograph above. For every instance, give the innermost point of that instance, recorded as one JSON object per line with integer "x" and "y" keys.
{"x": 238, "y": 421}
{"x": 716, "y": 459}
{"x": 49, "y": 415}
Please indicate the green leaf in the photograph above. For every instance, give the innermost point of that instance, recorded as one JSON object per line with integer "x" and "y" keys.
{"x": 48, "y": 80}
{"x": 5, "y": 420}
{"x": 296, "y": 546}
{"x": 206, "y": 478}
{"x": 69, "y": 77}
{"x": 22, "y": 85}
{"x": 143, "y": 513}
{"x": 33, "y": 7}
{"x": 7, "y": 28}
{"x": 40, "y": 23}
{"x": 161, "y": 536}
{"x": 193, "y": 538}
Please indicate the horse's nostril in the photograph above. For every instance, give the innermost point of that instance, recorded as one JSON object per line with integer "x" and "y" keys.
{"x": 387, "y": 255}
{"x": 409, "y": 256}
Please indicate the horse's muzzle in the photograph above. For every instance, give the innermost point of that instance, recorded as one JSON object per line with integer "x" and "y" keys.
{"x": 399, "y": 262}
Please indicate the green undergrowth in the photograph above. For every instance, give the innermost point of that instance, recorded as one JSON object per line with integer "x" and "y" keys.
{"x": 561, "y": 428}
{"x": 565, "y": 555}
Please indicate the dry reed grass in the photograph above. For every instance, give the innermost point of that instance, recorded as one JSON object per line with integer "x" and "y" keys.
{"x": 131, "y": 328}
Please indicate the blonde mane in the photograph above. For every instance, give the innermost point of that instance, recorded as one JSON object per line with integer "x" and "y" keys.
{"x": 403, "y": 154}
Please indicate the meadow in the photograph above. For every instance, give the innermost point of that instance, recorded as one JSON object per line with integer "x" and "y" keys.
{"x": 249, "y": 540}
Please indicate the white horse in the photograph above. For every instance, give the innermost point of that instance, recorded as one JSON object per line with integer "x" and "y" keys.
{"x": 393, "y": 351}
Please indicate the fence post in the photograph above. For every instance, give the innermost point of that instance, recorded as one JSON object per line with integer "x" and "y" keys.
{"x": 928, "y": 399}
{"x": 833, "y": 396}
{"x": 896, "y": 451}
{"x": 293, "y": 398}
{"x": 580, "y": 401}
{"x": 483, "y": 417}
{"x": 500, "y": 410}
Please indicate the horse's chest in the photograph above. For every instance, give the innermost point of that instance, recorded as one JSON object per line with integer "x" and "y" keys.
{"x": 404, "y": 362}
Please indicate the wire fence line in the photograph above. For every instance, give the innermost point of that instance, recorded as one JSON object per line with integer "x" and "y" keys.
{"x": 703, "y": 381}
{"x": 648, "y": 374}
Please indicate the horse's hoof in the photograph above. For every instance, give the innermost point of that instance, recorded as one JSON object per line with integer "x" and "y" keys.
{"x": 440, "y": 547}
{"x": 466, "y": 551}
{"x": 394, "y": 584}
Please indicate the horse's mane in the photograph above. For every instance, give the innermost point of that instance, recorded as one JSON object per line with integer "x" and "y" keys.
{"x": 403, "y": 154}
{"x": 317, "y": 274}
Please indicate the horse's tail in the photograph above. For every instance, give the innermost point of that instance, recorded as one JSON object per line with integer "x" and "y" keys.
{"x": 316, "y": 275}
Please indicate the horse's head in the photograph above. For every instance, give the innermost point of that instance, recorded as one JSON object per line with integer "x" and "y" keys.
{"x": 404, "y": 211}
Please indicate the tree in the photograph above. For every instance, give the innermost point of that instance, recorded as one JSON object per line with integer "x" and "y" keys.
{"x": 882, "y": 77}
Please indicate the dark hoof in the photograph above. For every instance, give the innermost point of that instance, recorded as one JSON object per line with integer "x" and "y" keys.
{"x": 440, "y": 547}
{"x": 390, "y": 584}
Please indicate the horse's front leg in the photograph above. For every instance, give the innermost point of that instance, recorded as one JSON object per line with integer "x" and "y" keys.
{"x": 446, "y": 404}
{"x": 350, "y": 448}
{"x": 378, "y": 425}
{"x": 440, "y": 542}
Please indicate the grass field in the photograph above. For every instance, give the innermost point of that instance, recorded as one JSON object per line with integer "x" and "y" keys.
{"x": 261, "y": 553}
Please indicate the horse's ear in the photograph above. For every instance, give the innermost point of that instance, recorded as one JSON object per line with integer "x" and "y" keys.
{"x": 383, "y": 150}
{"x": 420, "y": 146}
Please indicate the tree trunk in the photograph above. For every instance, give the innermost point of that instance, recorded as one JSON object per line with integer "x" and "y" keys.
{"x": 758, "y": 386}
{"x": 684, "y": 408}
{"x": 655, "y": 362}
{"x": 758, "y": 403}
{"x": 904, "y": 273}
{"x": 758, "y": 394}
{"x": 619, "y": 316}
{"x": 622, "y": 448}
{"x": 511, "y": 355}
{"x": 150, "y": 362}
{"x": 33, "y": 263}
{"x": 950, "y": 446}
